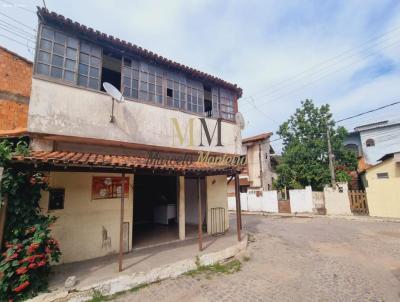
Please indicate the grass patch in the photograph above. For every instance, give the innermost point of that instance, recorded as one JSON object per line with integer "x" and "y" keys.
{"x": 230, "y": 267}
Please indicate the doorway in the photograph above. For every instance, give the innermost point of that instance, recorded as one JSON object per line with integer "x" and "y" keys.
{"x": 154, "y": 210}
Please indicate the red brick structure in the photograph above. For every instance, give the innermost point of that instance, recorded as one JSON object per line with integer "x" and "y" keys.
{"x": 15, "y": 90}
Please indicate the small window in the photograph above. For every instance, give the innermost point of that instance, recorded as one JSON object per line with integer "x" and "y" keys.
{"x": 56, "y": 199}
{"x": 370, "y": 142}
{"x": 382, "y": 175}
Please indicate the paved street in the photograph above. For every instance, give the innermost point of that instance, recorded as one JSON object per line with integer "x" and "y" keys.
{"x": 300, "y": 259}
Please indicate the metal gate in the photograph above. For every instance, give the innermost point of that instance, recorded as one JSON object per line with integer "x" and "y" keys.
{"x": 217, "y": 221}
{"x": 358, "y": 202}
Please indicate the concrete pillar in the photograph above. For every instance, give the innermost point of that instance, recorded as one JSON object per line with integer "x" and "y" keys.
{"x": 181, "y": 207}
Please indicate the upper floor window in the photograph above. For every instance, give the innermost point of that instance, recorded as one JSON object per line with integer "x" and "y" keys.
{"x": 195, "y": 97}
{"x": 86, "y": 64}
{"x": 176, "y": 91}
{"x": 215, "y": 102}
{"x": 57, "y": 55}
{"x": 150, "y": 83}
{"x": 130, "y": 82}
{"x": 89, "y": 65}
{"x": 227, "y": 105}
{"x": 370, "y": 142}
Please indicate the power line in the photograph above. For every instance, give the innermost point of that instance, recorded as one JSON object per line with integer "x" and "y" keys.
{"x": 18, "y": 42}
{"x": 332, "y": 59}
{"x": 18, "y": 6}
{"x": 16, "y": 33}
{"x": 369, "y": 111}
{"x": 354, "y": 116}
{"x": 20, "y": 30}
{"x": 17, "y": 21}
{"x": 326, "y": 75}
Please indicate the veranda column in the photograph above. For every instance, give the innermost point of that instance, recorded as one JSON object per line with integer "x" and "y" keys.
{"x": 181, "y": 209}
{"x": 200, "y": 226}
{"x": 121, "y": 225}
{"x": 238, "y": 208}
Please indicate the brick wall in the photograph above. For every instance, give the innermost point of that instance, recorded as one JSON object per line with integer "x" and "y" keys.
{"x": 15, "y": 89}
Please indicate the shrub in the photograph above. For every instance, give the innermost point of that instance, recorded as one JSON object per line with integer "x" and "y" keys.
{"x": 26, "y": 262}
{"x": 29, "y": 248}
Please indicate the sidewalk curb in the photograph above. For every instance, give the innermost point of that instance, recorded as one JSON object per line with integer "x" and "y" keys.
{"x": 128, "y": 281}
{"x": 310, "y": 215}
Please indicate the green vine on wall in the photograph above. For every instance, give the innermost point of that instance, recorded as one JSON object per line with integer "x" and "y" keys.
{"x": 29, "y": 248}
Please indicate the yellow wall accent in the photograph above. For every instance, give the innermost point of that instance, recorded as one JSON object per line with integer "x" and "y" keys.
{"x": 383, "y": 195}
{"x": 216, "y": 197}
{"x": 79, "y": 226}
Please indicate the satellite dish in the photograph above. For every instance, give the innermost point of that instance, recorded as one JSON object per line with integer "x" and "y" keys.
{"x": 113, "y": 92}
{"x": 240, "y": 120}
{"x": 115, "y": 95}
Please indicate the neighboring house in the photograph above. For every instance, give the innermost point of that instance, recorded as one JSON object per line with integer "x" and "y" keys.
{"x": 382, "y": 186}
{"x": 373, "y": 141}
{"x": 15, "y": 89}
{"x": 259, "y": 173}
{"x": 99, "y": 165}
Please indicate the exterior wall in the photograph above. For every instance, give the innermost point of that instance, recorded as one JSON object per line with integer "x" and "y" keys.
{"x": 301, "y": 200}
{"x": 216, "y": 197}
{"x": 71, "y": 111}
{"x": 387, "y": 140}
{"x": 267, "y": 202}
{"x": 354, "y": 139}
{"x": 383, "y": 194}
{"x": 80, "y": 224}
{"x": 15, "y": 89}
{"x": 253, "y": 157}
{"x": 336, "y": 202}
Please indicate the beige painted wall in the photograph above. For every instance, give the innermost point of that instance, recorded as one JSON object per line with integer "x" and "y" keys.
{"x": 79, "y": 226}
{"x": 216, "y": 197}
{"x": 65, "y": 110}
{"x": 383, "y": 195}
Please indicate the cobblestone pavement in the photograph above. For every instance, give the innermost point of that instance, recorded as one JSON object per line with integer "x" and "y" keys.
{"x": 300, "y": 259}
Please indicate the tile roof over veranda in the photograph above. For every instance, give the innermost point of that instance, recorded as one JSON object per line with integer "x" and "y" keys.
{"x": 66, "y": 159}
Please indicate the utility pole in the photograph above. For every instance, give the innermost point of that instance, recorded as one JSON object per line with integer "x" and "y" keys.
{"x": 330, "y": 156}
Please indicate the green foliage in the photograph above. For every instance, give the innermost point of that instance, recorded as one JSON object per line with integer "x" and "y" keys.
{"x": 25, "y": 263}
{"x": 305, "y": 149}
{"x": 230, "y": 267}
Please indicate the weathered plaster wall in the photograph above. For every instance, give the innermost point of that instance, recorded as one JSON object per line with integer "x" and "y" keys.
{"x": 383, "y": 194}
{"x": 80, "y": 223}
{"x": 71, "y": 111}
{"x": 216, "y": 197}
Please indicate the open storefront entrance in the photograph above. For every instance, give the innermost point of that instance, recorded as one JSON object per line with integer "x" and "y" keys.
{"x": 155, "y": 210}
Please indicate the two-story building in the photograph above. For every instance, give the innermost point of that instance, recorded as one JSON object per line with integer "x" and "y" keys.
{"x": 150, "y": 169}
{"x": 373, "y": 141}
{"x": 259, "y": 172}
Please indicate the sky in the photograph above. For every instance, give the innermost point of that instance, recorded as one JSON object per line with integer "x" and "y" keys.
{"x": 343, "y": 53}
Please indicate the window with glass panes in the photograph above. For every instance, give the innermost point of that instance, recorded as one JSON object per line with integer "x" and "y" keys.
{"x": 150, "y": 83}
{"x": 130, "y": 81}
{"x": 89, "y": 65}
{"x": 226, "y": 105}
{"x": 57, "y": 55}
{"x": 215, "y": 102}
{"x": 195, "y": 97}
{"x": 176, "y": 92}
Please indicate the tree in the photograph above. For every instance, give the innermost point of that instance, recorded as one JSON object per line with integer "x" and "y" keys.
{"x": 305, "y": 149}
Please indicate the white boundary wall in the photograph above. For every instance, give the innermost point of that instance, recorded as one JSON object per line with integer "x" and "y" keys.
{"x": 267, "y": 202}
{"x": 301, "y": 200}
